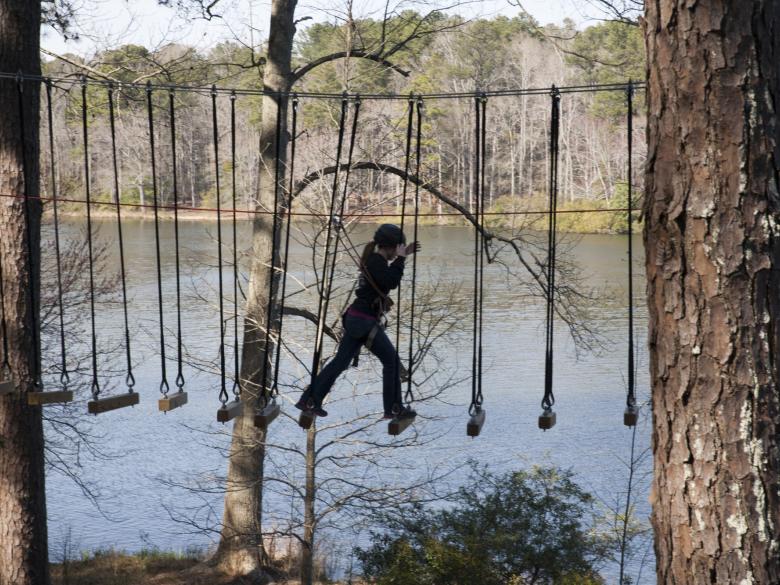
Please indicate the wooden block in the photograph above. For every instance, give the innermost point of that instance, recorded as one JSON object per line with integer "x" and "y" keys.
{"x": 54, "y": 397}
{"x": 306, "y": 419}
{"x": 172, "y": 401}
{"x": 399, "y": 425}
{"x": 230, "y": 411}
{"x": 102, "y": 405}
{"x": 7, "y": 386}
{"x": 547, "y": 420}
{"x": 266, "y": 416}
{"x": 631, "y": 416}
{"x": 474, "y": 426}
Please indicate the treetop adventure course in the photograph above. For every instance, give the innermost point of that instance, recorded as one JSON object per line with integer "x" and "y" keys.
{"x": 398, "y": 402}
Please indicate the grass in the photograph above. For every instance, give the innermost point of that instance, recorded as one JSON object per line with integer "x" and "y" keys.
{"x": 112, "y": 567}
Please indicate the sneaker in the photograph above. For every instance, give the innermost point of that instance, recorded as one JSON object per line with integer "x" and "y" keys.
{"x": 319, "y": 411}
{"x": 301, "y": 404}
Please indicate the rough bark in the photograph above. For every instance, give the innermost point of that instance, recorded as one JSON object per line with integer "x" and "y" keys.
{"x": 307, "y": 544}
{"x": 23, "y": 539}
{"x": 713, "y": 267}
{"x": 240, "y": 549}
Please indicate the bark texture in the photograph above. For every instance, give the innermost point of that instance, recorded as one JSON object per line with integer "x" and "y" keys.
{"x": 23, "y": 539}
{"x": 240, "y": 549}
{"x": 712, "y": 238}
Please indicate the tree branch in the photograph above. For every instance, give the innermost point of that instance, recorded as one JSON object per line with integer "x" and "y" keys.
{"x": 360, "y": 53}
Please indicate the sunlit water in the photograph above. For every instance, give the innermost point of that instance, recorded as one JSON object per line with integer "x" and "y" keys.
{"x": 146, "y": 448}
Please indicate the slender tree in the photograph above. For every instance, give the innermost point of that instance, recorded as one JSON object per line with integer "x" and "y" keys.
{"x": 23, "y": 542}
{"x": 713, "y": 271}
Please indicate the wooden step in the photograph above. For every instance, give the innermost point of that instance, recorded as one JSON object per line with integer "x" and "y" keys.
{"x": 547, "y": 420}
{"x": 7, "y": 386}
{"x": 399, "y": 425}
{"x": 631, "y": 416}
{"x": 109, "y": 403}
{"x": 266, "y": 416}
{"x": 230, "y": 411}
{"x": 306, "y": 419}
{"x": 53, "y": 397}
{"x": 474, "y": 426}
{"x": 168, "y": 403}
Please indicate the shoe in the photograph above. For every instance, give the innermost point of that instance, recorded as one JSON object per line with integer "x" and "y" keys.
{"x": 301, "y": 404}
{"x": 319, "y": 411}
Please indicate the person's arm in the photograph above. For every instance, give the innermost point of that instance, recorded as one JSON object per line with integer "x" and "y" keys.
{"x": 386, "y": 277}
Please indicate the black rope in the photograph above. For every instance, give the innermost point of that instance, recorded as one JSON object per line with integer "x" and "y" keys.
{"x": 274, "y": 252}
{"x": 409, "y": 396}
{"x": 549, "y": 398}
{"x": 407, "y": 163}
{"x": 236, "y": 363}
{"x": 164, "y": 387}
{"x": 129, "y": 379}
{"x": 64, "y": 376}
{"x": 482, "y": 244}
{"x": 179, "y": 357}
{"x": 87, "y": 191}
{"x": 287, "y": 210}
{"x": 631, "y": 398}
{"x": 475, "y": 365}
{"x": 315, "y": 363}
{"x": 33, "y": 290}
{"x": 223, "y": 394}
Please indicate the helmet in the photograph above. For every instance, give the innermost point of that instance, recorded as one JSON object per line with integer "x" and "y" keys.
{"x": 389, "y": 234}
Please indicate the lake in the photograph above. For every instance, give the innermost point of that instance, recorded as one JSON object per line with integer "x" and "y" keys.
{"x": 148, "y": 455}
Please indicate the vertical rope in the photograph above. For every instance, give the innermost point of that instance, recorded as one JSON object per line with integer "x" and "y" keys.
{"x": 33, "y": 290}
{"x": 274, "y": 249}
{"x": 475, "y": 308}
{"x": 315, "y": 363}
{"x": 87, "y": 191}
{"x": 631, "y": 398}
{"x": 549, "y": 398}
{"x": 64, "y": 375}
{"x": 409, "y": 396}
{"x": 179, "y": 356}
{"x": 288, "y": 211}
{"x": 164, "y": 387}
{"x": 236, "y": 363}
{"x": 482, "y": 251}
{"x": 6, "y": 366}
{"x": 223, "y": 395}
{"x": 130, "y": 379}
{"x": 404, "y": 189}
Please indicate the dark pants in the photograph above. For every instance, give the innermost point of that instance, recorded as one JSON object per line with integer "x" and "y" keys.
{"x": 356, "y": 331}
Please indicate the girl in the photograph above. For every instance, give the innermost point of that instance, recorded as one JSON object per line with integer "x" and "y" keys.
{"x": 381, "y": 269}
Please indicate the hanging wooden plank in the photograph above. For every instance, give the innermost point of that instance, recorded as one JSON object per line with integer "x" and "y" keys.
{"x": 306, "y": 419}
{"x": 230, "y": 411}
{"x": 267, "y": 415}
{"x": 52, "y": 397}
{"x": 474, "y": 426}
{"x": 631, "y": 416}
{"x": 7, "y": 386}
{"x": 109, "y": 403}
{"x": 547, "y": 420}
{"x": 172, "y": 401}
{"x": 399, "y": 424}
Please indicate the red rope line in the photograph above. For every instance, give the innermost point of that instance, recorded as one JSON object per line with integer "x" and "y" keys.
{"x": 226, "y": 210}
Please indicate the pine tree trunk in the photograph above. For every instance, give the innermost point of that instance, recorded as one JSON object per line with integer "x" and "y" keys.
{"x": 240, "y": 550}
{"x": 23, "y": 539}
{"x": 713, "y": 267}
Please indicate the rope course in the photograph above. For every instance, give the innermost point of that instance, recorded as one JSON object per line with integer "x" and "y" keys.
{"x": 269, "y": 409}
{"x": 226, "y": 412}
{"x": 631, "y": 415}
{"x": 179, "y": 398}
{"x": 547, "y": 418}
{"x": 281, "y": 216}
{"x": 129, "y": 378}
{"x": 476, "y": 412}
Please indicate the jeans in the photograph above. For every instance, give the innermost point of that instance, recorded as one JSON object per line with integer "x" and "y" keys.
{"x": 356, "y": 332}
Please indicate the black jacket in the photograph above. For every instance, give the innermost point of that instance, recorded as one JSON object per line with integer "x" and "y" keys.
{"x": 384, "y": 276}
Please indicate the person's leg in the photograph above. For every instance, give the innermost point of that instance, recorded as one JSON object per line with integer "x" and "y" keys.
{"x": 383, "y": 348}
{"x": 355, "y": 332}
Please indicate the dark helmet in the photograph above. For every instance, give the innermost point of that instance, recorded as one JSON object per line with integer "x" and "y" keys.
{"x": 389, "y": 234}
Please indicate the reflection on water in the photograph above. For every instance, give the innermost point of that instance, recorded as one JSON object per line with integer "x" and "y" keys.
{"x": 588, "y": 439}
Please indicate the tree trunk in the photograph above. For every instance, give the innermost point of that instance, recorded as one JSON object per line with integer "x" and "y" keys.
{"x": 713, "y": 268}
{"x": 240, "y": 550}
{"x": 307, "y": 544}
{"x": 23, "y": 539}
